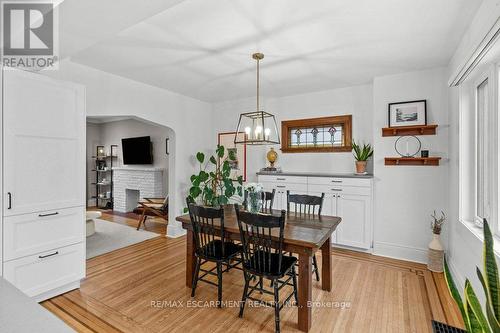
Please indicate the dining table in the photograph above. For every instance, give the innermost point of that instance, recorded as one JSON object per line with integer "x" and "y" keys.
{"x": 304, "y": 235}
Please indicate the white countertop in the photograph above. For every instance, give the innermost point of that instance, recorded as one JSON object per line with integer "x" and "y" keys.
{"x": 314, "y": 174}
{"x": 150, "y": 169}
{"x": 21, "y": 314}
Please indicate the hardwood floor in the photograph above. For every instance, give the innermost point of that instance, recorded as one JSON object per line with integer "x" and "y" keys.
{"x": 153, "y": 224}
{"x": 141, "y": 289}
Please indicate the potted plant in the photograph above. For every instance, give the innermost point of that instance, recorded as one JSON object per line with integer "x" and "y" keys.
{"x": 213, "y": 186}
{"x": 472, "y": 314}
{"x": 361, "y": 154}
{"x": 254, "y": 193}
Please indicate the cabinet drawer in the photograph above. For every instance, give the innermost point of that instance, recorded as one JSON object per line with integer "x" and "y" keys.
{"x": 48, "y": 270}
{"x": 283, "y": 179}
{"x": 339, "y": 189}
{"x": 362, "y": 182}
{"x": 37, "y": 232}
{"x": 293, "y": 188}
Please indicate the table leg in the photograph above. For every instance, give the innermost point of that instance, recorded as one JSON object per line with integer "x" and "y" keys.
{"x": 305, "y": 291}
{"x": 190, "y": 258}
{"x": 326, "y": 267}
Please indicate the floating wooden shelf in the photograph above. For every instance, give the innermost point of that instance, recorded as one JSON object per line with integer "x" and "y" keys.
{"x": 431, "y": 161}
{"x": 409, "y": 130}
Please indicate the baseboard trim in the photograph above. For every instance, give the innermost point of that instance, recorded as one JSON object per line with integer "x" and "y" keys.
{"x": 57, "y": 291}
{"x": 402, "y": 252}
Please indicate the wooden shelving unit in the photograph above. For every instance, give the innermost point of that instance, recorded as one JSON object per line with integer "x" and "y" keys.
{"x": 423, "y": 161}
{"x": 409, "y": 130}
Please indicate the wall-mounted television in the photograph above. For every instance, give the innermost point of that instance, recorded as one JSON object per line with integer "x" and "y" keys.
{"x": 137, "y": 150}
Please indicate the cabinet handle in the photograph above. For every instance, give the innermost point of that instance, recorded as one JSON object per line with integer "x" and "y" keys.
{"x": 49, "y": 214}
{"x": 281, "y": 186}
{"x": 280, "y": 178}
{"x": 336, "y": 181}
{"x": 10, "y": 200}
{"x": 49, "y": 255}
{"x": 336, "y": 189}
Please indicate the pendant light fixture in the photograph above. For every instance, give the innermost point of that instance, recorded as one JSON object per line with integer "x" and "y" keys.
{"x": 258, "y": 127}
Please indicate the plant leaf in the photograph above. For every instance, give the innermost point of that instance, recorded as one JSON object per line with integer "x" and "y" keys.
{"x": 472, "y": 325}
{"x": 194, "y": 191}
{"x": 475, "y": 307}
{"x": 491, "y": 269}
{"x": 454, "y": 291}
{"x": 213, "y": 160}
{"x": 231, "y": 154}
{"x": 220, "y": 151}
{"x": 495, "y": 326}
{"x": 203, "y": 176}
{"x": 240, "y": 180}
{"x": 200, "y": 157}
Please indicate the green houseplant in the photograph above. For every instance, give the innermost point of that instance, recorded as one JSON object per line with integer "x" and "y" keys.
{"x": 212, "y": 186}
{"x": 470, "y": 308}
{"x": 361, "y": 154}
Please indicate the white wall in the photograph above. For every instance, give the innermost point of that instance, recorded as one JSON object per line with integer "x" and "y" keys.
{"x": 189, "y": 119}
{"x": 357, "y": 101}
{"x": 405, "y": 196}
{"x": 112, "y": 132}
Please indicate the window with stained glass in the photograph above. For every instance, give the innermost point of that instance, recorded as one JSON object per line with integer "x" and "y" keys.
{"x": 327, "y": 134}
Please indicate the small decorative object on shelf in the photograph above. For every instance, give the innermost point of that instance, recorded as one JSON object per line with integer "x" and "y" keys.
{"x": 424, "y": 153}
{"x": 272, "y": 156}
{"x": 254, "y": 197}
{"x": 407, "y": 146}
{"x": 436, "y": 250}
{"x": 361, "y": 154}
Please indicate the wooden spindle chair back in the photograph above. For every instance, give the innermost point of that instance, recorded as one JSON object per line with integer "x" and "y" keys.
{"x": 208, "y": 226}
{"x": 304, "y": 204}
{"x": 256, "y": 232}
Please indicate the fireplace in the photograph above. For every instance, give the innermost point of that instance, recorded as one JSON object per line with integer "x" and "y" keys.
{"x": 133, "y": 184}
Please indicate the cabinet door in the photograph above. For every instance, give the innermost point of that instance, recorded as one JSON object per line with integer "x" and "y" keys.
{"x": 354, "y": 229}
{"x": 44, "y": 143}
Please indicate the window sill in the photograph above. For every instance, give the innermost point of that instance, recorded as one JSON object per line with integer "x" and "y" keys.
{"x": 470, "y": 232}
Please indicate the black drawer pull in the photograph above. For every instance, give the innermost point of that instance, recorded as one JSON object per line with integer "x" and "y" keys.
{"x": 336, "y": 181}
{"x": 49, "y": 214}
{"x": 281, "y": 186}
{"x": 49, "y": 255}
{"x": 336, "y": 189}
{"x": 280, "y": 178}
{"x": 10, "y": 200}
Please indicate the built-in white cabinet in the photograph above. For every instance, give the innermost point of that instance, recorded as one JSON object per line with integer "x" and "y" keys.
{"x": 347, "y": 197}
{"x": 43, "y": 189}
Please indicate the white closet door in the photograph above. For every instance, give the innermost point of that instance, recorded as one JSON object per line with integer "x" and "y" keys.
{"x": 44, "y": 143}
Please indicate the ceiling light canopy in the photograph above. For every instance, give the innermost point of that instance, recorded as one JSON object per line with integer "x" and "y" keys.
{"x": 258, "y": 126}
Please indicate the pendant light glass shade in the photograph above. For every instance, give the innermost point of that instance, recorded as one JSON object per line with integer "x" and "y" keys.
{"x": 258, "y": 127}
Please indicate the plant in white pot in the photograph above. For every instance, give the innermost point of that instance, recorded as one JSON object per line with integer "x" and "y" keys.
{"x": 361, "y": 154}
{"x": 436, "y": 250}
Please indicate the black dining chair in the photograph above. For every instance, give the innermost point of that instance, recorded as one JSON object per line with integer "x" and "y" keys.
{"x": 263, "y": 258}
{"x": 267, "y": 198}
{"x": 211, "y": 246}
{"x": 306, "y": 205}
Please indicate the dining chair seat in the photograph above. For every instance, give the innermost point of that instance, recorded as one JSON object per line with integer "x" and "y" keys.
{"x": 266, "y": 264}
{"x": 213, "y": 250}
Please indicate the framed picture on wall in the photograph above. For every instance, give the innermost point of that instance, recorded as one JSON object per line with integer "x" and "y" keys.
{"x": 412, "y": 113}
{"x": 238, "y": 166}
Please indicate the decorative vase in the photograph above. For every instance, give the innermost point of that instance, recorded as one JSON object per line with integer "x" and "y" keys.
{"x": 255, "y": 201}
{"x": 272, "y": 156}
{"x": 360, "y": 166}
{"x": 436, "y": 254}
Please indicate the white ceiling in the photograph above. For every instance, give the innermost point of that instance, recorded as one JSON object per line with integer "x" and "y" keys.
{"x": 202, "y": 48}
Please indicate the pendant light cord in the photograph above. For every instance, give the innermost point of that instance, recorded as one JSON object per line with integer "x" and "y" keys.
{"x": 258, "y": 81}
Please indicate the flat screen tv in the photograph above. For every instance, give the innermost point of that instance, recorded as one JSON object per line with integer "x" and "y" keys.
{"x": 137, "y": 150}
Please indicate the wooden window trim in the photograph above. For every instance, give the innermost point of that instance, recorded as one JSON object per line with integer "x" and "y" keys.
{"x": 345, "y": 121}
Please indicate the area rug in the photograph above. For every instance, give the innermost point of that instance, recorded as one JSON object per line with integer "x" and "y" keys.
{"x": 110, "y": 236}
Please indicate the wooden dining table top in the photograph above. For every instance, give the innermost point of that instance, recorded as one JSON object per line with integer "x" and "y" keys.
{"x": 300, "y": 229}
